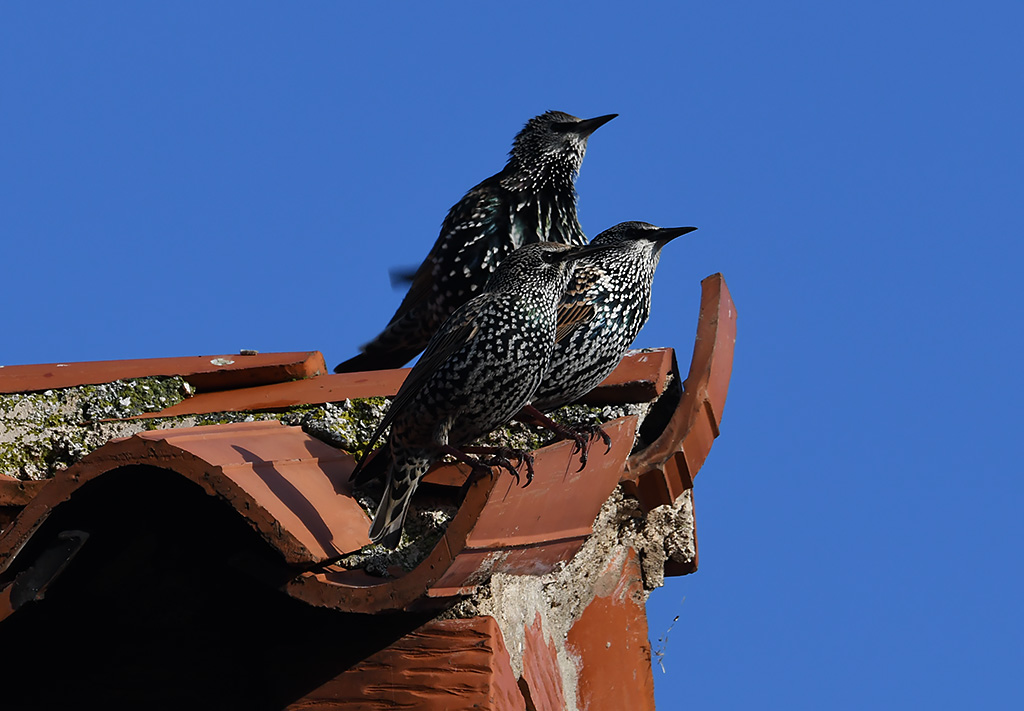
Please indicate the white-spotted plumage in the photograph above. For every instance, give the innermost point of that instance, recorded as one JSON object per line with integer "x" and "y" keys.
{"x": 606, "y": 303}
{"x": 481, "y": 367}
{"x": 533, "y": 199}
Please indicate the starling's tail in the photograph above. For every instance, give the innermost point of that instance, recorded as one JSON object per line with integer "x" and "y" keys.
{"x": 393, "y": 347}
{"x": 374, "y": 466}
{"x": 408, "y": 333}
{"x": 387, "y": 523}
{"x": 391, "y": 536}
{"x": 379, "y": 359}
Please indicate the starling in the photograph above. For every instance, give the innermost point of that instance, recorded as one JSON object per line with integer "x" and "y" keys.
{"x": 533, "y": 199}
{"x": 605, "y": 305}
{"x": 477, "y": 372}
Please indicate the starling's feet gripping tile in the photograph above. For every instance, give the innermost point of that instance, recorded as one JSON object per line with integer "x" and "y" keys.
{"x": 589, "y": 432}
{"x": 580, "y": 434}
{"x": 496, "y": 457}
{"x": 503, "y": 456}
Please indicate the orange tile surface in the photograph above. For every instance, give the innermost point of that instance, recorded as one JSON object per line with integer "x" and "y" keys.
{"x": 541, "y": 670}
{"x": 639, "y": 377}
{"x": 280, "y": 396}
{"x": 215, "y": 372}
{"x": 610, "y": 641}
{"x": 445, "y": 665}
{"x": 665, "y": 468}
{"x": 292, "y": 488}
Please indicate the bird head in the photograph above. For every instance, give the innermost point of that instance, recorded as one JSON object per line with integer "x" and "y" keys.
{"x": 547, "y": 263}
{"x": 554, "y": 142}
{"x": 640, "y": 235}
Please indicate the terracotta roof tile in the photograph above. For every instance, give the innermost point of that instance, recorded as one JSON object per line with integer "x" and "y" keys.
{"x": 610, "y": 640}
{"x": 476, "y": 672}
{"x": 205, "y": 373}
{"x": 540, "y": 669}
{"x": 280, "y": 396}
{"x": 641, "y": 377}
{"x": 293, "y": 490}
{"x": 664, "y": 469}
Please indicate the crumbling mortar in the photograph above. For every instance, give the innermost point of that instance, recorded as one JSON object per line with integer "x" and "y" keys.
{"x": 44, "y": 432}
{"x": 560, "y": 597}
{"x": 429, "y": 516}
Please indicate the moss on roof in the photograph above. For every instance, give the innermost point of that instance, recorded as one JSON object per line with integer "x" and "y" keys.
{"x": 42, "y": 433}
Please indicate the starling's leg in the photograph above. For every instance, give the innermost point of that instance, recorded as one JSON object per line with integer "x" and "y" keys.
{"x": 501, "y": 456}
{"x": 373, "y": 465}
{"x": 479, "y": 469}
{"x": 580, "y": 435}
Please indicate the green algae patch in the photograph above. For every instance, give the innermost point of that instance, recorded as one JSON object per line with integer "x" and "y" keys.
{"x": 44, "y": 432}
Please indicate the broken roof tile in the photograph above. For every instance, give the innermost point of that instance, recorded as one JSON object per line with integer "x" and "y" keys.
{"x": 610, "y": 641}
{"x": 641, "y": 376}
{"x": 541, "y": 669}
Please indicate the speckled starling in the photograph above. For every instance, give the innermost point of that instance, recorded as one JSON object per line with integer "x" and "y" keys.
{"x": 477, "y": 372}
{"x": 533, "y": 199}
{"x": 605, "y": 305}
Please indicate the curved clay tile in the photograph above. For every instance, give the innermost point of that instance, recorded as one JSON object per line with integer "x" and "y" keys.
{"x": 293, "y": 489}
{"x": 499, "y": 527}
{"x": 660, "y": 472}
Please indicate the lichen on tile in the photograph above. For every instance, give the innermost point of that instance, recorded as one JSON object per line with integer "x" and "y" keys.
{"x": 44, "y": 432}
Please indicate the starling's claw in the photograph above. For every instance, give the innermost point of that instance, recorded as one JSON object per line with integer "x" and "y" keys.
{"x": 581, "y": 435}
{"x": 584, "y": 450}
{"x": 480, "y": 470}
{"x": 593, "y": 432}
{"x": 529, "y": 469}
{"x": 502, "y": 456}
{"x": 501, "y": 461}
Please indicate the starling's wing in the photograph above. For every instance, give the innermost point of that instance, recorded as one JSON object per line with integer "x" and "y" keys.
{"x": 456, "y": 332}
{"x": 479, "y": 235}
{"x": 577, "y": 305}
{"x": 475, "y": 236}
{"x": 462, "y": 252}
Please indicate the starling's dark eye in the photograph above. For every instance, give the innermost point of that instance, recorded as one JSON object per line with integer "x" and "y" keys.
{"x": 549, "y": 257}
{"x": 562, "y": 127}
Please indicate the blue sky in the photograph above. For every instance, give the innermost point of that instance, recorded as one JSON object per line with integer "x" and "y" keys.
{"x": 203, "y": 177}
